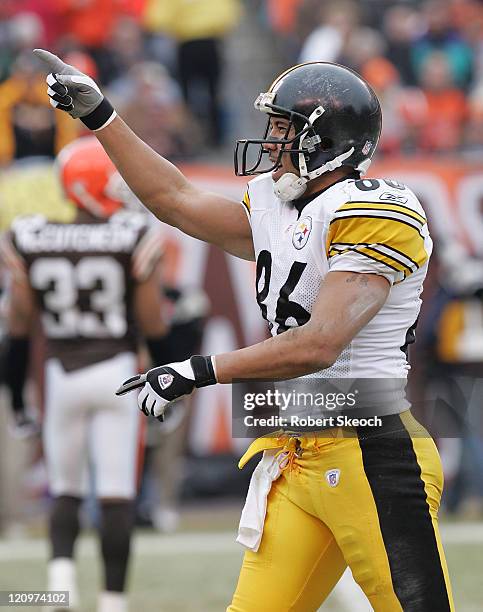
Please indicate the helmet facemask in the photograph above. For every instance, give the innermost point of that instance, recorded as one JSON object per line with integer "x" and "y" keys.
{"x": 304, "y": 143}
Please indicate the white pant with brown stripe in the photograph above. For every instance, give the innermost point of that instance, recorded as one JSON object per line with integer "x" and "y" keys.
{"x": 86, "y": 424}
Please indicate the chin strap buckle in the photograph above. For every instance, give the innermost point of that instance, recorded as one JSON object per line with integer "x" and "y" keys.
{"x": 310, "y": 143}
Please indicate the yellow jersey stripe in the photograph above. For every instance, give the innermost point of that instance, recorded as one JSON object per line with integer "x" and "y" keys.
{"x": 385, "y": 259}
{"x": 393, "y": 238}
{"x": 394, "y": 216}
{"x": 383, "y": 206}
{"x": 376, "y": 256}
{"x": 246, "y": 201}
{"x": 383, "y": 250}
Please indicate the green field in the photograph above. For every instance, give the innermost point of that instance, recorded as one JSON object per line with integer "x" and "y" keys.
{"x": 196, "y": 571}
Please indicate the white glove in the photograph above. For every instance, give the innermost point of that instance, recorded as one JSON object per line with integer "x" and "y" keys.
{"x": 75, "y": 93}
{"x": 165, "y": 384}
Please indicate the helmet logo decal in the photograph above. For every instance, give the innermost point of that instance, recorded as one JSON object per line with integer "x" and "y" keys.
{"x": 301, "y": 232}
{"x": 367, "y": 147}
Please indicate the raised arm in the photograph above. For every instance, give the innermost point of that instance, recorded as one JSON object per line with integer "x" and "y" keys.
{"x": 159, "y": 185}
{"x": 168, "y": 194}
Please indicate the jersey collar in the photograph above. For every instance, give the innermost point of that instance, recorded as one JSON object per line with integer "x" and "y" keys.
{"x": 301, "y": 203}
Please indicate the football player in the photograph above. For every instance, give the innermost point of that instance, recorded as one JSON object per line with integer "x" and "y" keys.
{"x": 340, "y": 266}
{"x": 92, "y": 281}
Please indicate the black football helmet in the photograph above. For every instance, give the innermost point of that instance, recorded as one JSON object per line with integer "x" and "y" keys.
{"x": 336, "y": 118}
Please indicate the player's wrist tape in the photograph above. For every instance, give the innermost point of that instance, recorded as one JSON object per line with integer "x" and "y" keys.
{"x": 203, "y": 371}
{"x": 100, "y": 116}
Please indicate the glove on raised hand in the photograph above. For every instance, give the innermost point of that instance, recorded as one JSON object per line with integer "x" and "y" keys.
{"x": 75, "y": 93}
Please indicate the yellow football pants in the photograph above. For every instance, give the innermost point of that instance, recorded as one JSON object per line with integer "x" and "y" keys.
{"x": 377, "y": 515}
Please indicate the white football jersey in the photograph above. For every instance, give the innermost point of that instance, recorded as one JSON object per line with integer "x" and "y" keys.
{"x": 365, "y": 225}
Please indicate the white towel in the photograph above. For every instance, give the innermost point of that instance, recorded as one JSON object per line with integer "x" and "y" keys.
{"x": 250, "y": 529}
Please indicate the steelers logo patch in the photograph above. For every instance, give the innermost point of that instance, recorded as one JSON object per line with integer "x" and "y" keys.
{"x": 301, "y": 232}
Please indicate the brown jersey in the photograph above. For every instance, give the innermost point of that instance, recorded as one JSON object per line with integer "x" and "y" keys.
{"x": 83, "y": 276}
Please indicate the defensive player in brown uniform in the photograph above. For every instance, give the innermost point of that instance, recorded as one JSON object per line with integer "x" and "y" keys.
{"x": 94, "y": 283}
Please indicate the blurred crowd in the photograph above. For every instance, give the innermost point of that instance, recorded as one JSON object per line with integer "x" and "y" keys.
{"x": 159, "y": 62}
{"x": 424, "y": 60}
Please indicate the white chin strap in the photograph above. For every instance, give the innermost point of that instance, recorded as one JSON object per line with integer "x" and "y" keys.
{"x": 291, "y": 187}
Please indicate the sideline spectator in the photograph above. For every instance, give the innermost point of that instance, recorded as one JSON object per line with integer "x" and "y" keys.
{"x": 45, "y": 10}
{"x": 199, "y": 28}
{"x": 90, "y": 23}
{"x": 364, "y": 45}
{"x": 18, "y": 33}
{"x": 467, "y": 15}
{"x": 401, "y": 24}
{"x": 124, "y": 49}
{"x": 159, "y": 116}
{"x": 326, "y": 42}
{"x": 282, "y": 17}
{"x": 442, "y": 37}
{"x": 474, "y": 127}
{"x": 384, "y": 79}
{"x": 28, "y": 124}
{"x": 437, "y": 122}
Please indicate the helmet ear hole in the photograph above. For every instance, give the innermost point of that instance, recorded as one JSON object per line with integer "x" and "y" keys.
{"x": 326, "y": 144}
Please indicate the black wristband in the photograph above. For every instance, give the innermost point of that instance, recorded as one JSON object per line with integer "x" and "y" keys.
{"x": 99, "y": 116}
{"x": 16, "y": 366}
{"x": 203, "y": 371}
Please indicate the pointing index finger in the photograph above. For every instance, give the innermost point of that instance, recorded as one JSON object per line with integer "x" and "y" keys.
{"x": 54, "y": 63}
{"x": 136, "y": 382}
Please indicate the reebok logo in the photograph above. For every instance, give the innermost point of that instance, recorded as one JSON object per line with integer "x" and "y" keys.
{"x": 387, "y": 196}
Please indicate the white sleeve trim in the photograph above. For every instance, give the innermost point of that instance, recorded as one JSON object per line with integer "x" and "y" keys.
{"x": 356, "y": 262}
{"x": 247, "y": 212}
